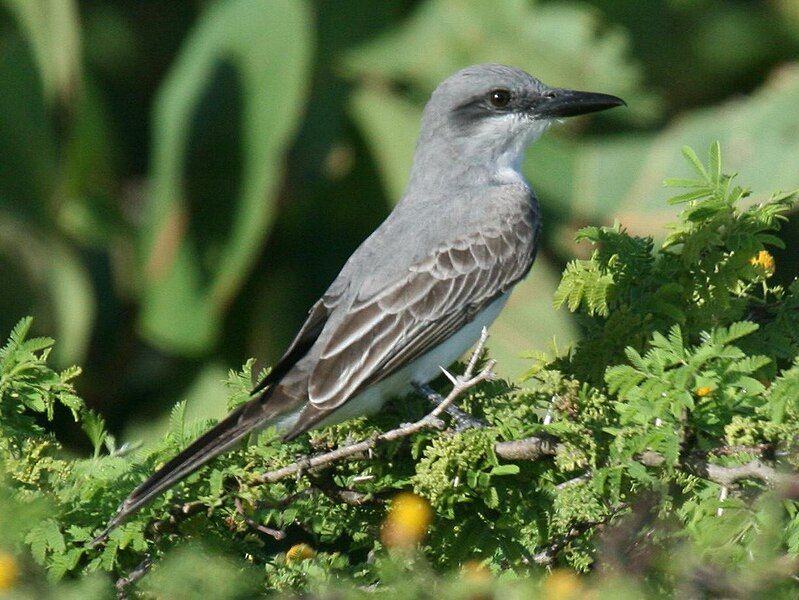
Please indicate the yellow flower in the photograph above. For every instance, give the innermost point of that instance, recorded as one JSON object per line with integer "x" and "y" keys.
{"x": 407, "y": 521}
{"x": 563, "y": 584}
{"x": 703, "y": 390}
{"x": 9, "y": 571}
{"x": 300, "y": 552}
{"x": 764, "y": 260}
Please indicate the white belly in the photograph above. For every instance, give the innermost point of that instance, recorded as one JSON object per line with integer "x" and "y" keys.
{"x": 423, "y": 369}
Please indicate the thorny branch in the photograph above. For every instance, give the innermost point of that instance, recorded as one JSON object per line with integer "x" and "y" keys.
{"x": 431, "y": 420}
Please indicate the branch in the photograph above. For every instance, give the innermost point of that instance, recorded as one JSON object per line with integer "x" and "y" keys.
{"x": 548, "y": 555}
{"x": 531, "y": 448}
{"x": 273, "y": 533}
{"x": 431, "y": 420}
{"x": 726, "y": 476}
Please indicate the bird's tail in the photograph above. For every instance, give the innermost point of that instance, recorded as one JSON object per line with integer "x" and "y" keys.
{"x": 248, "y": 417}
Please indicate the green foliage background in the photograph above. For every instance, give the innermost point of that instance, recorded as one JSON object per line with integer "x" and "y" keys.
{"x": 180, "y": 180}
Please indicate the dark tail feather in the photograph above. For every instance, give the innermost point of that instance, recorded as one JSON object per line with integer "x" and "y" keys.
{"x": 209, "y": 445}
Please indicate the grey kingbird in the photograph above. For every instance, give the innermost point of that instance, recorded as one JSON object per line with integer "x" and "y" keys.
{"x": 416, "y": 293}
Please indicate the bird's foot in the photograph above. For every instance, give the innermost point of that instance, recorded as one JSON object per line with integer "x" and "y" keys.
{"x": 462, "y": 420}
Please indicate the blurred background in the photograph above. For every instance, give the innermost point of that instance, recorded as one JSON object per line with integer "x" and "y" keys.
{"x": 179, "y": 181}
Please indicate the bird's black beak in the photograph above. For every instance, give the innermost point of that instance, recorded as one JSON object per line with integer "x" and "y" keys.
{"x": 569, "y": 103}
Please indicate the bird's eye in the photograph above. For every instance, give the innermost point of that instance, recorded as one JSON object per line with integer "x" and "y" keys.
{"x": 499, "y": 98}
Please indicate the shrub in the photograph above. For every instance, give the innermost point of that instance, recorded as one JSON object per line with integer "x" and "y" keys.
{"x": 660, "y": 454}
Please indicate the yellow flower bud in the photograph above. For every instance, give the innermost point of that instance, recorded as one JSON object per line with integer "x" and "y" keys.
{"x": 407, "y": 521}
{"x": 703, "y": 390}
{"x": 299, "y": 552}
{"x": 764, "y": 260}
{"x": 9, "y": 571}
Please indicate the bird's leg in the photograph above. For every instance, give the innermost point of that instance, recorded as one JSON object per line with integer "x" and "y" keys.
{"x": 461, "y": 419}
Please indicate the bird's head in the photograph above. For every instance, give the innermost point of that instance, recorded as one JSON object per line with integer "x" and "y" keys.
{"x": 488, "y": 114}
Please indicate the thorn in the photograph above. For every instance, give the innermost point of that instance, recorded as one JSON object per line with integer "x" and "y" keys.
{"x": 450, "y": 376}
{"x": 722, "y": 497}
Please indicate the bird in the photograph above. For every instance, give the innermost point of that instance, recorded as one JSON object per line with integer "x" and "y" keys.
{"x": 415, "y": 295}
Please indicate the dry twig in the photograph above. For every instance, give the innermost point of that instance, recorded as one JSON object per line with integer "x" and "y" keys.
{"x": 273, "y": 533}
{"x": 431, "y": 420}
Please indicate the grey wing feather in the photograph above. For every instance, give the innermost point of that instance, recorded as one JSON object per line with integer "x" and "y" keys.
{"x": 305, "y": 338}
{"x": 387, "y": 329}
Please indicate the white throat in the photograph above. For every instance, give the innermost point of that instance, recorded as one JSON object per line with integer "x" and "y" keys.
{"x": 510, "y": 136}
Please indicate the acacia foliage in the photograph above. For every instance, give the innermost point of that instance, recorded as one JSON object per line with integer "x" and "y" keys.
{"x": 687, "y": 368}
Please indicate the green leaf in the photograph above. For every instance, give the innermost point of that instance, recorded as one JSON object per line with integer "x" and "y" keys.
{"x": 561, "y": 44}
{"x": 619, "y": 177}
{"x": 94, "y": 426}
{"x": 53, "y": 32}
{"x": 505, "y": 470}
{"x": 391, "y": 127}
{"x": 689, "y": 153}
{"x": 189, "y": 280}
{"x": 715, "y": 162}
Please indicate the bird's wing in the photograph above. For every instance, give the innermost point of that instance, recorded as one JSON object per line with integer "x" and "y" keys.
{"x": 302, "y": 342}
{"x": 389, "y": 328}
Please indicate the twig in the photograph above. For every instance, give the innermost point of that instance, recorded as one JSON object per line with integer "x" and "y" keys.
{"x": 462, "y": 420}
{"x": 758, "y": 449}
{"x": 548, "y": 555}
{"x": 137, "y": 573}
{"x": 274, "y": 533}
{"x": 531, "y": 448}
{"x": 334, "y": 492}
{"x": 574, "y": 481}
{"x": 431, "y": 420}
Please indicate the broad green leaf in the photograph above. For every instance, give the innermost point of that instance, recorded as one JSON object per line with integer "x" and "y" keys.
{"x": 391, "y": 126}
{"x": 73, "y": 303}
{"x": 188, "y": 279}
{"x": 203, "y": 400}
{"x": 558, "y": 43}
{"x": 505, "y": 470}
{"x": 27, "y": 141}
{"x": 52, "y": 29}
{"x": 58, "y": 279}
{"x": 619, "y": 177}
